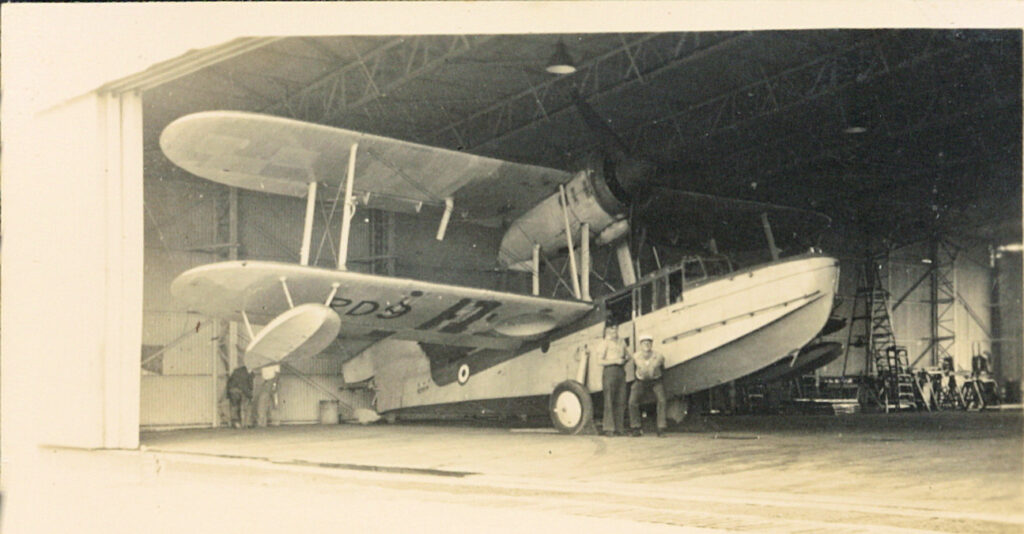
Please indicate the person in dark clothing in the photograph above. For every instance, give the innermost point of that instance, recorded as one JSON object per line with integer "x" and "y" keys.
{"x": 240, "y": 394}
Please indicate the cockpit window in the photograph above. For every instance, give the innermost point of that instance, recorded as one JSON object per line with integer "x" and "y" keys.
{"x": 646, "y": 294}
{"x": 694, "y": 269}
{"x": 675, "y": 286}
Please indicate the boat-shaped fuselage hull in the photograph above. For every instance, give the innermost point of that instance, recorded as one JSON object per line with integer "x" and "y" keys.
{"x": 722, "y": 329}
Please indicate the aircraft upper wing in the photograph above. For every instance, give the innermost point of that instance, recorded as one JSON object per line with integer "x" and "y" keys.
{"x": 281, "y": 156}
{"x": 374, "y": 307}
{"x": 684, "y": 216}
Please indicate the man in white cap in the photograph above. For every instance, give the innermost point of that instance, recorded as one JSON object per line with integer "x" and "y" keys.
{"x": 649, "y": 367}
{"x": 612, "y": 355}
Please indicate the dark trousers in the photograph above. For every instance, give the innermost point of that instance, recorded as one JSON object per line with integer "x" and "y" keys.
{"x": 239, "y": 406}
{"x": 613, "y": 381}
{"x": 640, "y": 387}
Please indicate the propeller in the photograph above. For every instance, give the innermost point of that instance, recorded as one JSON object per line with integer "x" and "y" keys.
{"x": 683, "y": 215}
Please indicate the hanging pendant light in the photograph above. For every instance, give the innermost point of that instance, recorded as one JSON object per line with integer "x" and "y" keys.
{"x": 561, "y": 62}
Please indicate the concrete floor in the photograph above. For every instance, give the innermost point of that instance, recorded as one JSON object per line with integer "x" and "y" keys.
{"x": 946, "y": 472}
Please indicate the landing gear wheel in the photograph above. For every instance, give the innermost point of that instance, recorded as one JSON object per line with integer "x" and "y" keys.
{"x": 973, "y": 399}
{"x": 571, "y": 409}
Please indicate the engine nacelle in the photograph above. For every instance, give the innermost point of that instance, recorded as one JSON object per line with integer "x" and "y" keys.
{"x": 597, "y": 195}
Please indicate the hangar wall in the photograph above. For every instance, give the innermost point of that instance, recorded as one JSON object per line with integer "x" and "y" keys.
{"x": 1008, "y": 348}
{"x": 185, "y": 362}
{"x": 467, "y": 256}
{"x": 969, "y": 318}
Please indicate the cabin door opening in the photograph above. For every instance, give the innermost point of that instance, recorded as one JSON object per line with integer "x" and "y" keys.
{"x": 619, "y": 309}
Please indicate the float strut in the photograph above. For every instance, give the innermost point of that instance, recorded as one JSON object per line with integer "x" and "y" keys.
{"x": 287, "y": 294}
{"x": 248, "y": 325}
{"x": 334, "y": 291}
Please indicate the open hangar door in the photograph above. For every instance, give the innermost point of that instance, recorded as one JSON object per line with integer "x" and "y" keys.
{"x": 881, "y": 158}
{"x": 900, "y": 136}
{"x": 188, "y": 222}
{"x": 93, "y": 359}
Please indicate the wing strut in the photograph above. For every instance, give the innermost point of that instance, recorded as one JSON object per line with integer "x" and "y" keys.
{"x": 536, "y": 269}
{"x": 585, "y": 261}
{"x": 568, "y": 239}
{"x": 307, "y": 228}
{"x": 449, "y": 206}
{"x": 347, "y": 210}
{"x": 769, "y": 236}
{"x": 625, "y": 257}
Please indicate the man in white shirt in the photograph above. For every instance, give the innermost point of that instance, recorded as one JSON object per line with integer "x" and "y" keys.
{"x": 612, "y": 355}
{"x": 649, "y": 367}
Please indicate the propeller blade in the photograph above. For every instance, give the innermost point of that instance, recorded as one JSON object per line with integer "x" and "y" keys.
{"x": 609, "y": 140}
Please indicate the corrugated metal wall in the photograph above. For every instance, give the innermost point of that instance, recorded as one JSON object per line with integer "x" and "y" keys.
{"x": 185, "y": 400}
{"x": 1009, "y": 351}
{"x": 911, "y": 321}
{"x": 177, "y": 385}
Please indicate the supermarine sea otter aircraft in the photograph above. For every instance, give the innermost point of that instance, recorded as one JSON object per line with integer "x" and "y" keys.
{"x": 435, "y": 348}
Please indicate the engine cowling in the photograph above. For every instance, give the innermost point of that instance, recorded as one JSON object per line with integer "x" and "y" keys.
{"x": 599, "y": 195}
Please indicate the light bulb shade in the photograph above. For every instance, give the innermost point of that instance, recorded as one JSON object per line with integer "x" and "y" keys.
{"x": 561, "y": 62}
{"x": 855, "y": 115}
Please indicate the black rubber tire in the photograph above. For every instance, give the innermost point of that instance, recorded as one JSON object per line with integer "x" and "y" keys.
{"x": 570, "y": 408}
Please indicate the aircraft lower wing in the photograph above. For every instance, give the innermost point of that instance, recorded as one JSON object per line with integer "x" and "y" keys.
{"x": 282, "y": 156}
{"x": 371, "y": 307}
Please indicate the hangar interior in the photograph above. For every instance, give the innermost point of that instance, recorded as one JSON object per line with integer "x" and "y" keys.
{"x": 909, "y": 140}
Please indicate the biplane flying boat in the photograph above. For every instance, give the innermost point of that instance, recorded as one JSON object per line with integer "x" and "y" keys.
{"x": 441, "y": 348}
